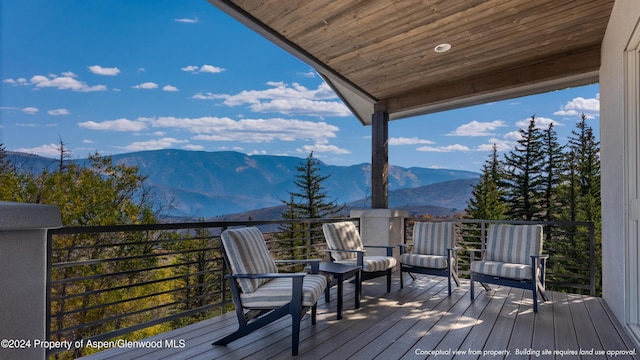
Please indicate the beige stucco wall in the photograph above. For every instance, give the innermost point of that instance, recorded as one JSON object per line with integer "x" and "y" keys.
{"x": 624, "y": 19}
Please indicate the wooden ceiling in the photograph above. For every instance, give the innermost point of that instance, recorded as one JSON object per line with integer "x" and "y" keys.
{"x": 380, "y": 53}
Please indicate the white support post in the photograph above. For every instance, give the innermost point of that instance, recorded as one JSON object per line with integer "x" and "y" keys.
{"x": 23, "y": 277}
{"x": 381, "y": 227}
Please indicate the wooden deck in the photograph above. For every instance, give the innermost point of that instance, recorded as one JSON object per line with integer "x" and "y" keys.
{"x": 417, "y": 322}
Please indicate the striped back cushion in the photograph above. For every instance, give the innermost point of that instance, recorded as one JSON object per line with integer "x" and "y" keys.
{"x": 433, "y": 238}
{"x": 513, "y": 243}
{"x": 342, "y": 235}
{"x": 248, "y": 254}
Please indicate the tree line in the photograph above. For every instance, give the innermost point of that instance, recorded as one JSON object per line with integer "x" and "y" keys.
{"x": 101, "y": 193}
{"x": 541, "y": 179}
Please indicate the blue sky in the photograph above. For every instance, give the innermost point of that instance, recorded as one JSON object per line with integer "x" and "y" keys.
{"x": 121, "y": 76}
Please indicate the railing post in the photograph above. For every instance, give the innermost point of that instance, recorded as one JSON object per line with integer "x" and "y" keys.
{"x": 592, "y": 260}
{"x": 23, "y": 279}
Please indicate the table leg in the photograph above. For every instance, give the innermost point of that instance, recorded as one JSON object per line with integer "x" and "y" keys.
{"x": 358, "y": 290}
{"x": 340, "y": 280}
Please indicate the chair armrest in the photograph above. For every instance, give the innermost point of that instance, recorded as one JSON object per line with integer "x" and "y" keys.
{"x": 300, "y": 261}
{"x": 543, "y": 256}
{"x": 474, "y": 251}
{"x": 345, "y": 250}
{"x": 403, "y": 247}
{"x": 388, "y": 247}
{"x": 315, "y": 263}
{"x": 359, "y": 254}
{"x": 265, "y": 276}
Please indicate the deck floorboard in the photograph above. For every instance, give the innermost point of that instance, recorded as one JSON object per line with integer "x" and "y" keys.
{"x": 412, "y": 323}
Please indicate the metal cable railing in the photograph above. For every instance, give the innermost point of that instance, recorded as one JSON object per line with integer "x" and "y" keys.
{"x": 573, "y": 251}
{"x": 133, "y": 281}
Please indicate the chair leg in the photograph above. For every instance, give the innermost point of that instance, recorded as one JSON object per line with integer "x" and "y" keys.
{"x": 401, "y": 281}
{"x": 389, "y": 280}
{"x": 314, "y": 311}
{"x": 295, "y": 332}
{"x": 472, "y": 289}
{"x": 535, "y": 298}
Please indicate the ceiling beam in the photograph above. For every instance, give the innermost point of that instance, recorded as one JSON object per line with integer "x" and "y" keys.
{"x": 574, "y": 69}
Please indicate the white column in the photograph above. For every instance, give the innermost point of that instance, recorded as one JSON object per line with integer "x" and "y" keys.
{"x": 381, "y": 227}
{"x": 23, "y": 275}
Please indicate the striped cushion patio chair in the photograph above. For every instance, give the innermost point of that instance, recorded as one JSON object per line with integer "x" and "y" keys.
{"x": 512, "y": 257}
{"x": 345, "y": 247}
{"x": 433, "y": 252}
{"x": 260, "y": 294}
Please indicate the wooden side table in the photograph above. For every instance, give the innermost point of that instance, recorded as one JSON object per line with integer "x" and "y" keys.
{"x": 341, "y": 272}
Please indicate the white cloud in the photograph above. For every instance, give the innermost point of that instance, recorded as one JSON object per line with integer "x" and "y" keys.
{"x": 169, "y": 88}
{"x": 203, "y": 69}
{"x": 193, "y": 147}
{"x": 476, "y": 128}
{"x": 207, "y": 96}
{"x": 99, "y": 70}
{"x": 16, "y": 82}
{"x": 64, "y": 82}
{"x": 226, "y": 129}
{"x": 30, "y": 110}
{"x": 87, "y": 141}
{"x": 186, "y": 20}
{"x": 114, "y": 125}
{"x": 146, "y": 85}
{"x": 190, "y": 68}
{"x": 211, "y": 69}
{"x": 541, "y": 123}
{"x": 501, "y": 145}
{"x": 409, "y": 141}
{"x": 447, "y": 148}
{"x": 56, "y": 112}
{"x": 322, "y": 148}
{"x": 44, "y": 150}
{"x": 302, "y": 107}
{"x": 513, "y": 136}
{"x": 286, "y": 99}
{"x": 156, "y": 144}
{"x": 578, "y": 106}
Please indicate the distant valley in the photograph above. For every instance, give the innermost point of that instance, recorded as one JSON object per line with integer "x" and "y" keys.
{"x": 230, "y": 184}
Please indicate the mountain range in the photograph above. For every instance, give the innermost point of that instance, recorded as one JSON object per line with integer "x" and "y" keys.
{"x": 217, "y": 184}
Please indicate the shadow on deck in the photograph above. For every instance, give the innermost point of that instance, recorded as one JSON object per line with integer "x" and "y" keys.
{"x": 417, "y": 322}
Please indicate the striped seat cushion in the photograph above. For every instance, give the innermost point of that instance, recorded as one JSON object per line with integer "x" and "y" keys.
{"x": 248, "y": 254}
{"x": 425, "y": 261}
{"x": 501, "y": 269}
{"x": 513, "y": 243}
{"x": 433, "y": 238}
{"x": 342, "y": 235}
{"x": 277, "y": 292}
{"x": 372, "y": 263}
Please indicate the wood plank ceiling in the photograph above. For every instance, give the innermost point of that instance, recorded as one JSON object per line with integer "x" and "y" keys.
{"x": 380, "y": 53}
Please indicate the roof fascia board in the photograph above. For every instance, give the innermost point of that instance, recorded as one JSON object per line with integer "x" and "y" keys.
{"x": 265, "y": 31}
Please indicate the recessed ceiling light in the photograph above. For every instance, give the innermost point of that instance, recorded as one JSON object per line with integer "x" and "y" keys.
{"x": 442, "y": 48}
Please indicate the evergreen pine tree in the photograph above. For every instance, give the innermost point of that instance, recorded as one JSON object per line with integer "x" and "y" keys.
{"x": 552, "y": 170}
{"x": 587, "y": 162}
{"x": 486, "y": 197}
{"x": 580, "y": 195}
{"x": 309, "y": 201}
{"x": 524, "y": 167}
